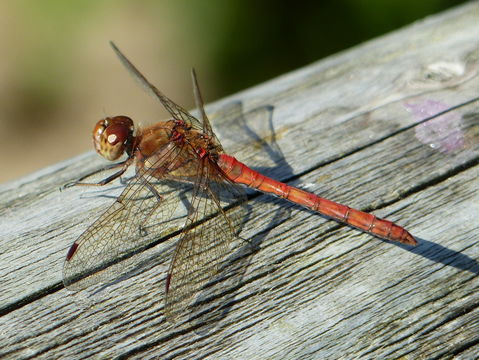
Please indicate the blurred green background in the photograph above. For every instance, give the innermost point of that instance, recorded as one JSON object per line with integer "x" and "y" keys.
{"x": 58, "y": 75}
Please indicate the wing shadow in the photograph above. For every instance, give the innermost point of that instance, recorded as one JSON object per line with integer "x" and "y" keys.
{"x": 218, "y": 296}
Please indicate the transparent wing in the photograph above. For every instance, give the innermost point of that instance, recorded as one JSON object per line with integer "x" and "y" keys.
{"x": 207, "y": 238}
{"x": 207, "y": 129}
{"x": 175, "y": 110}
{"x": 142, "y": 213}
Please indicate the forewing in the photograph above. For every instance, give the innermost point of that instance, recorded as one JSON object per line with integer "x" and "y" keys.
{"x": 175, "y": 110}
{"x": 204, "y": 243}
{"x": 143, "y": 212}
{"x": 207, "y": 129}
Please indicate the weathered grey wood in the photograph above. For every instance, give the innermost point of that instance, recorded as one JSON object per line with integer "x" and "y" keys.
{"x": 313, "y": 289}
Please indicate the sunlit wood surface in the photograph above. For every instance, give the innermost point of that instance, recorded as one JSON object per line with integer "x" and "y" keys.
{"x": 348, "y": 128}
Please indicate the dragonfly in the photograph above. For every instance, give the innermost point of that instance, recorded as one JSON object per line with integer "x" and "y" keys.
{"x": 182, "y": 152}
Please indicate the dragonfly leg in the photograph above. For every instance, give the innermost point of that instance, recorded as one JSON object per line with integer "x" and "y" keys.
{"x": 159, "y": 198}
{"x": 103, "y": 182}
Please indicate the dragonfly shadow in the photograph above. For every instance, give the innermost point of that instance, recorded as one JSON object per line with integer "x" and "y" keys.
{"x": 219, "y": 296}
{"x": 107, "y": 191}
{"x": 443, "y": 255}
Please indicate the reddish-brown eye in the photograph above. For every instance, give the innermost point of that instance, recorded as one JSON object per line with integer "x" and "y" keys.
{"x": 112, "y": 135}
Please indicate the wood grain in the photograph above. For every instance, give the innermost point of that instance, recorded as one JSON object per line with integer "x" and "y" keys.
{"x": 305, "y": 287}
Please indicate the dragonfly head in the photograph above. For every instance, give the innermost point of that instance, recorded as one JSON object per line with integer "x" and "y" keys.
{"x": 113, "y": 136}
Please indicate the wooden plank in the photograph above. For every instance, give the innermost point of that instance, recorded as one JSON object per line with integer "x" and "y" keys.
{"x": 310, "y": 288}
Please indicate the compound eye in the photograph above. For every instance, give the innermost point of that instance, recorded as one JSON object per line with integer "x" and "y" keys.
{"x": 111, "y": 136}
